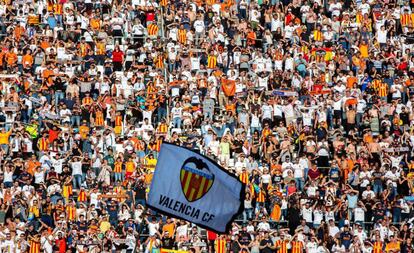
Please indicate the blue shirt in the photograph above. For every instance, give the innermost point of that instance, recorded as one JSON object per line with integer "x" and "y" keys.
{"x": 51, "y": 21}
{"x": 352, "y": 200}
{"x": 365, "y": 83}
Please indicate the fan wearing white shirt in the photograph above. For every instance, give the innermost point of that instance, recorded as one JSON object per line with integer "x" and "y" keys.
{"x": 359, "y": 213}
{"x": 307, "y": 214}
{"x": 199, "y": 28}
{"x": 333, "y": 229}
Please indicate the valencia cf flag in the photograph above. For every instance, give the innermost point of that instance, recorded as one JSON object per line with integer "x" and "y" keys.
{"x": 190, "y": 186}
{"x": 229, "y": 87}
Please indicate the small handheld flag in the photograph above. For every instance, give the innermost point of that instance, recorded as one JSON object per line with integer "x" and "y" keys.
{"x": 190, "y": 186}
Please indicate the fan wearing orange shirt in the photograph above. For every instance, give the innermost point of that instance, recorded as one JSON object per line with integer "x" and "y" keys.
{"x": 45, "y": 43}
{"x": 27, "y": 61}
{"x": 169, "y": 227}
{"x": 2, "y": 59}
{"x": 18, "y": 31}
{"x": 251, "y": 38}
{"x": 100, "y": 51}
{"x": 11, "y": 58}
{"x": 351, "y": 80}
{"x": 364, "y": 49}
{"x": 129, "y": 168}
{"x": 393, "y": 245}
{"x": 58, "y": 11}
{"x": 4, "y": 139}
{"x": 47, "y": 75}
{"x": 83, "y": 48}
{"x": 356, "y": 61}
{"x": 95, "y": 23}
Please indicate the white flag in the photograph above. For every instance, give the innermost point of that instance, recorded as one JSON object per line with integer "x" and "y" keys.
{"x": 193, "y": 187}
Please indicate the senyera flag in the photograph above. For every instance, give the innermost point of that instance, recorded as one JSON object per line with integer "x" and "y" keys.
{"x": 190, "y": 186}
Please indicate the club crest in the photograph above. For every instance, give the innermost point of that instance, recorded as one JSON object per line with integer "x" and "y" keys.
{"x": 196, "y": 179}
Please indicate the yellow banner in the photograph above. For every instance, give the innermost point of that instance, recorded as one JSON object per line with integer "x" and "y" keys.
{"x": 173, "y": 251}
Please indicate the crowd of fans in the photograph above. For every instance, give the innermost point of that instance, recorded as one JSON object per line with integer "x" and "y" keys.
{"x": 310, "y": 103}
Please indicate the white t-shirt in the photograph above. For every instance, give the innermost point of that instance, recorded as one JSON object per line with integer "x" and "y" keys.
{"x": 307, "y": 214}
{"x": 267, "y": 111}
{"x": 359, "y": 214}
{"x": 153, "y": 228}
{"x": 298, "y": 171}
{"x": 39, "y": 177}
{"x": 337, "y": 105}
{"x": 382, "y": 36}
{"x": 329, "y": 215}
{"x": 333, "y": 230}
{"x": 8, "y": 176}
{"x": 318, "y": 216}
{"x": 364, "y": 8}
{"x": 199, "y": 26}
{"x": 182, "y": 230}
{"x": 312, "y": 247}
{"x": 277, "y": 110}
{"x": 8, "y": 246}
{"x": 46, "y": 245}
{"x": 289, "y": 33}
{"x": 266, "y": 178}
{"x": 94, "y": 198}
{"x": 177, "y": 112}
{"x": 195, "y": 63}
{"x": 76, "y": 168}
{"x": 289, "y": 111}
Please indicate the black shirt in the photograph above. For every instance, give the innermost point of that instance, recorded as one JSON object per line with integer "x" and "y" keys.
{"x": 59, "y": 85}
{"x": 379, "y": 213}
{"x": 238, "y": 146}
{"x": 244, "y": 238}
{"x": 407, "y": 248}
{"x": 235, "y": 247}
{"x": 405, "y": 118}
{"x": 377, "y": 177}
{"x": 85, "y": 164}
{"x": 168, "y": 243}
{"x": 25, "y": 176}
{"x": 267, "y": 249}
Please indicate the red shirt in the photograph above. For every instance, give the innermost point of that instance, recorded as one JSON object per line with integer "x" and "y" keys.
{"x": 150, "y": 16}
{"x": 288, "y": 18}
{"x": 53, "y": 135}
{"x": 313, "y": 174}
{"x": 291, "y": 190}
{"x": 61, "y": 244}
{"x": 117, "y": 56}
{"x": 403, "y": 65}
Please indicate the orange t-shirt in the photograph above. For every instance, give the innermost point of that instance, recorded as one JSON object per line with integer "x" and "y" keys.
{"x": 251, "y": 36}
{"x": 47, "y": 74}
{"x": 95, "y": 24}
{"x": 27, "y": 60}
{"x": 11, "y": 58}
{"x": 18, "y": 31}
{"x": 2, "y": 54}
{"x": 31, "y": 166}
{"x": 44, "y": 44}
{"x": 364, "y": 51}
{"x": 350, "y": 81}
{"x": 169, "y": 228}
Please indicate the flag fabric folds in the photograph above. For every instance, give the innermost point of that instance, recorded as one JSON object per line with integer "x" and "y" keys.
{"x": 190, "y": 186}
{"x": 229, "y": 87}
{"x": 284, "y": 93}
